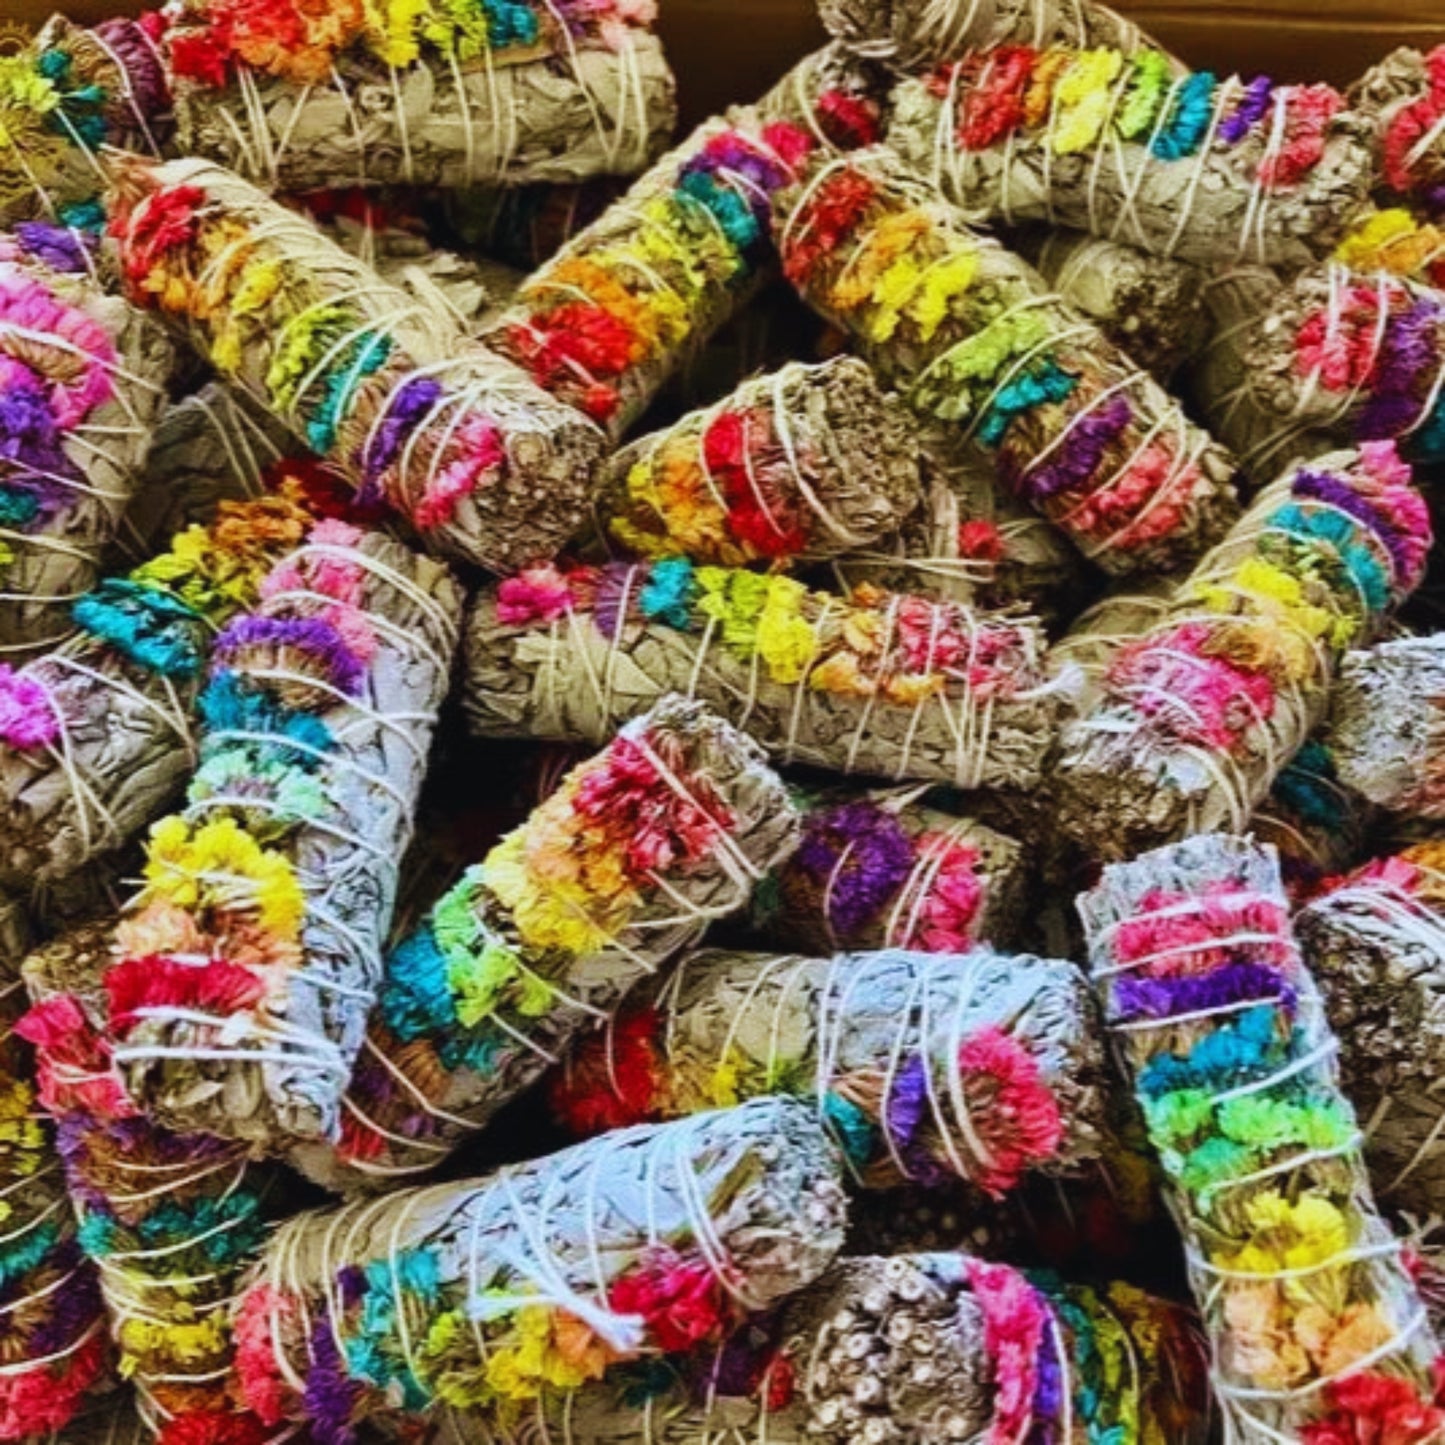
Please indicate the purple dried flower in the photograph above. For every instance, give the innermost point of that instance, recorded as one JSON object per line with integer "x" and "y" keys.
{"x": 1321, "y": 487}
{"x": 59, "y": 247}
{"x": 317, "y": 639}
{"x": 1164, "y": 998}
{"x": 858, "y": 855}
{"x": 330, "y": 1395}
{"x": 1078, "y": 458}
{"x": 409, "y": 404}
{"x": 1252, "y": 108}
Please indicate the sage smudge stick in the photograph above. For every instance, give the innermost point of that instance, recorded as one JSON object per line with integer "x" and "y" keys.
{"x": 213, "y": 446}
{"x": 875, "y": 683}
{"x": 1127, "y": 148}
{"x": 376, "y": 382}
{"x": 614, "y": 313}
{"x": 1196, "y": 718}
{"x": 1404, "y": 99}
{"x": 1219, "y": 383}
{"x": 976, "y": 1065}
{"x": 917, "y": 1349}
{"x": 971, "y": 336}
{"x": 804, "y": 463}
{"x": 884, "y": 869}
{"x": 392, "y": 95}
{"x": 54, "y": 1353}
{"x": 1376, "y": 942}
{"x": 68, "y": 93}
{"x": 1315, "y": 1328}
{"x": 1150, "y": 307}
{"x": 1387, "y": 728}
{"x": 168, "y": 1219}
{"x": 970, "y": 541}
{"x": 246, "y": 965}
{"x": 509, "y": 1293}
{"x": 631, "y": 857}
{"x": 82, "y": 380}
{"x": 1354, "y": 356}
{"x": 99, "y": 731}
{"x": 627, "y": 301}
{"x": 913, "y": 34}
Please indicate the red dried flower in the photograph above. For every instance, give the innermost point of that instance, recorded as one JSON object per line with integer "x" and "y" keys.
{"x": 682, "y": 1302}
{"x": 611, "y": 1080}
{"x": 1371, "y": 1408}
{"x": 217, "y": 987}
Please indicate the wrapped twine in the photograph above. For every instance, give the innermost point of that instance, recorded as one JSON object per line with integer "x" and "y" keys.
{"x": 912, "y": 34}
{"x": 874, "y": 683}
{"x": 635, "y": 853}
{"x": 1315, "y": 1329}
{"x": 394, "y": 94}
{"x": 1150, "y": 307}
{"x": 1129, "y": 148}
{"x": 71, "y": 91}
{"x": 82, "y": 378}
{"x": 98, "y": 732}
{"x": 511, "y": 1292}
{"x": 971, "y": 336}
{"x": 907, "y": 1350}
{"x": 807, "y": 462}
{"x": 979, "y": 1066}
{"x": 1196, "y": 718}
{"x": 970, "y": 541}
{"x": 488, "y": 468}
{"x": 1404, "y": 99}
{"x": 1350, "y": 356}
{"x": 169, "y": 1220}
{"x": 1376, "y": 942}
{"x": 246, "y": 965}
{"x": 1387, "y": 727}
{"x": 54, "y": 1354}
{"x": 883, "y": 869}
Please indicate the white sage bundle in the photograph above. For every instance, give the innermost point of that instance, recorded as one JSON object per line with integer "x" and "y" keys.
{"x": 1353, "y": 356}
{"x": 913, "y": 34}
{"x": 630, "y": 858}
{"x": 804, "y": 463}
{"x": 978, "y": 1065}
{"x": 874, "y": 683}
{"x": 82, "y": 381}
{"x": 391, "y": 94}
{"x": 1128, "y": 148}
{"x": 376, "y": 382}
{"x": 248, "y": 962}
{"x": 54, "y": 1354}
{"x": 213, "y": 446}
{"x": 972, "y": 337}
{"x": 169, "y": 1219}
{"x": 99, "y": 732}
{"x": 1218, "y": 381}
{"x": 917, "y": 1349}
{"x": 884, "y": 869}
{"x": 1151, "y": 307}
{"x": 1195, "y": 719}
{"x": 970, "y": 541}
{"x": 1376, "y": 942}
{"x": 1404, "y": 99}
{"x": 1312, "y": 1318}
{"x": 515, "y": 1290}
{"x": 1387, "y": 725}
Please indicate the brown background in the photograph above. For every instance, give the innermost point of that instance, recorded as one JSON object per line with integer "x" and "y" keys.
{"x": 729, "y": 50}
